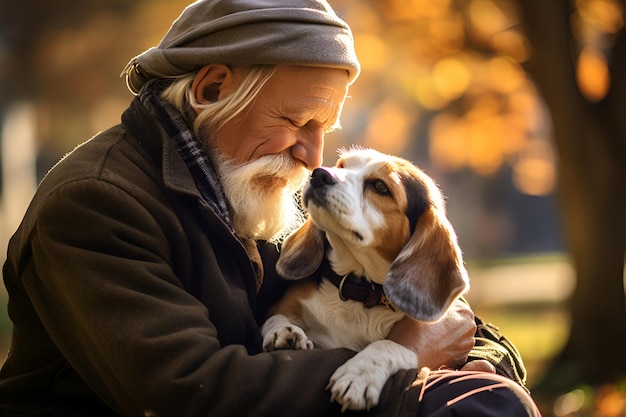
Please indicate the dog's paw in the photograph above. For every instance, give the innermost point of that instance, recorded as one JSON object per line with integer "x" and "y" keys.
{"x": 357, "y": 384}
{"x": 290, "y": 337}
{"x": 279, "y": 334}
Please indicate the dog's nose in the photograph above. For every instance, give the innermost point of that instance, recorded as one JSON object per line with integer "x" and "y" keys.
{"x": 321, "y": 177}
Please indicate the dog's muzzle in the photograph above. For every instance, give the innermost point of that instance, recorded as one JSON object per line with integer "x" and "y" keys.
{"x": 321, "y": 177}
{"x": 317, "y": 187}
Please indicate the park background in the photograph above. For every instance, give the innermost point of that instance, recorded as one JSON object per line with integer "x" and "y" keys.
{"x": 517, "y": 108}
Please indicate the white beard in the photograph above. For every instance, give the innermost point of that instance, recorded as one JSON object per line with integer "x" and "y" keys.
{"x": 262, "y": 195}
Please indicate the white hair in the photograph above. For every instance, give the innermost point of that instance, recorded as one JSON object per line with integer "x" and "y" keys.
{"x": 215, "y": 114}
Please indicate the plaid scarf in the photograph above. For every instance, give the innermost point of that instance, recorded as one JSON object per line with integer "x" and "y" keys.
{"x": 188, "y": 146}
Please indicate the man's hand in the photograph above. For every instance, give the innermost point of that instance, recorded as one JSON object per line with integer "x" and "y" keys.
{"x": 444, "y": 343}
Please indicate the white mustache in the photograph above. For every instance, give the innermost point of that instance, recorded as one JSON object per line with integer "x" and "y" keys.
{"x": 279, "y": 166}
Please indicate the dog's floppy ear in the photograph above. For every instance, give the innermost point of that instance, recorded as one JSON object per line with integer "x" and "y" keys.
{"x": 302, "y": 252}
{"x": 428, "y": 274}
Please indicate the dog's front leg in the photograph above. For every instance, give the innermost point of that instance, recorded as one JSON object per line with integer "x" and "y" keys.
{"x": 357, "y": 384}
{"x": 280, "y": 333}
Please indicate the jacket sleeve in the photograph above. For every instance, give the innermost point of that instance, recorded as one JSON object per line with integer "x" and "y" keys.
{"x": 495, "y": 348}
{"x": 492, "y": 346}
{"x": 101, "y": 280}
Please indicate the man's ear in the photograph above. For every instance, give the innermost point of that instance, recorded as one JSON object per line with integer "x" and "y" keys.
{"x": 212, "y": 82}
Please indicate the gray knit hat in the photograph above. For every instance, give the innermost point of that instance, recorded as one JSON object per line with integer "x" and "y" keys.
{"x": 244, "y": 32}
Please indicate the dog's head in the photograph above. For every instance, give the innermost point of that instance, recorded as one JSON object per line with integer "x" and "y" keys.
{"x": 384, "y": 219}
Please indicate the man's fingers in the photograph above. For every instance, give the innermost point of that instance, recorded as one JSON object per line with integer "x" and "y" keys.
{"x": 480, "y": 365}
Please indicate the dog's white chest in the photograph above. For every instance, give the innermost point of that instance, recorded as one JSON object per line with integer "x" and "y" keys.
{"x": 331, "y": 322}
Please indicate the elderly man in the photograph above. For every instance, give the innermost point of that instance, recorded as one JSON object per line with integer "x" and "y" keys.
{"x": 139, "y": 274}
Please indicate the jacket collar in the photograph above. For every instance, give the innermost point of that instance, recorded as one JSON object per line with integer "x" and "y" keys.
{"x": 145, "y": 131}
{"x": 155, "y": 142}
{"x": 187, "y": 145}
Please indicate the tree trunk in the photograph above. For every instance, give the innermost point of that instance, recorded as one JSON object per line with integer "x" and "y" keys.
{"x": 589, "y": 139}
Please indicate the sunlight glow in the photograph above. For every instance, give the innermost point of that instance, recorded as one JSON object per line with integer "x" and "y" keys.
{"x": 486, "y": 110}
{"x": 448, "y": 33}
{"x": 570, "y": 403}
{"x": 467, "y": 142}
{"x": 18, "y": 151}
{"x": 534, "y": 172}
{"x": 372, "y": 52}
{"x": 512, "y": 43}
{"x": 505, "y": 74}
{"x": 389, "y": 127}
{"x": 592, "y": 74}
{"x": 534, "y": 176}
{"x": 427, "y": 94}
{"x": 451, "y": 77}
{"x": 487, "y": 17}
{"x": 604, "y": 15}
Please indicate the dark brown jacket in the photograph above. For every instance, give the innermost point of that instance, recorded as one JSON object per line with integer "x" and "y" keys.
{"x": 129, "y": 296}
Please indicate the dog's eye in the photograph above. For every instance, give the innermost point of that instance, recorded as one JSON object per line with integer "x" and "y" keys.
{"x": 379, "y": 187}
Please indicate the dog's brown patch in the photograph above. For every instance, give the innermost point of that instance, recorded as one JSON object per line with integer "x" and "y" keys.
{"x": 290, "y": 305}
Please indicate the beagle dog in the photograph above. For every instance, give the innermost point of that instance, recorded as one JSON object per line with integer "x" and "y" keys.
{"x": 376, "y": 246}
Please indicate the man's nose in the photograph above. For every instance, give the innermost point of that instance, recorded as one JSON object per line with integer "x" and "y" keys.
{"x": 309, "y": 149}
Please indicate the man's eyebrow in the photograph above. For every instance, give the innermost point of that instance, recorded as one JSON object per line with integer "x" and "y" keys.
{"x": 300, "y": 113}
{"x": 303, "y": 113}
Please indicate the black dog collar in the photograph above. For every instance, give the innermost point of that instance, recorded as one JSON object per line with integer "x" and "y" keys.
{"x": 354, "y": 287}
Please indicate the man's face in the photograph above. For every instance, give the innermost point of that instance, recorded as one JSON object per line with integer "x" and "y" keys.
{"x": 263, "y": 155}
{"x": 293, "y": 111}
